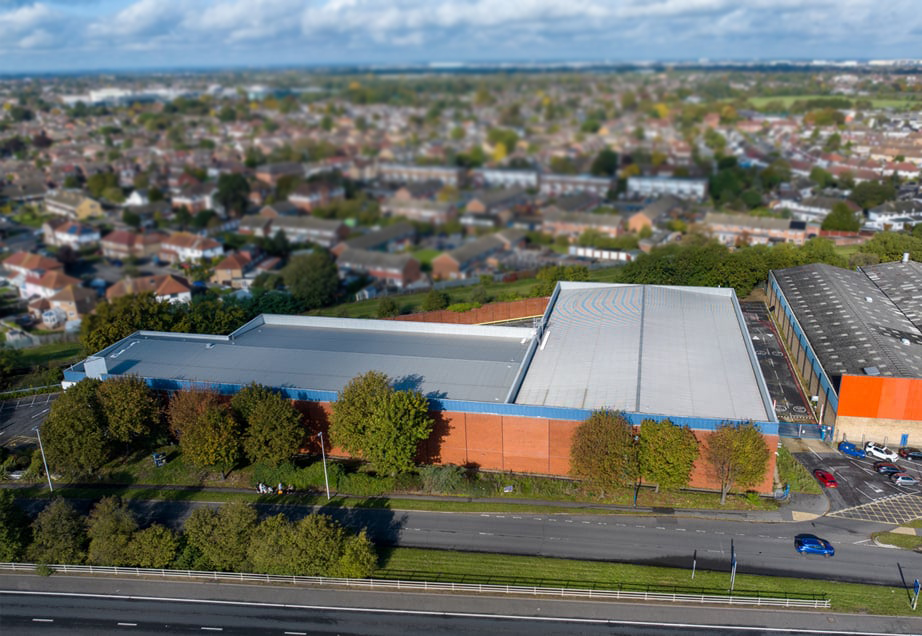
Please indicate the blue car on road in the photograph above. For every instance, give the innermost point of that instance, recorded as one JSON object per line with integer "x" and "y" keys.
{"x": 812, "y": 544}
{"x": 847, "y": 448}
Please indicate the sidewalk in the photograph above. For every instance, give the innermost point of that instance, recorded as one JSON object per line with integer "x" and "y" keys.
{"x": 800, "y": 507}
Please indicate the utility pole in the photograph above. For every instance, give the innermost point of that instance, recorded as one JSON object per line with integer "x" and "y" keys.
{"x": 44, "y": 461}
{"x": 323, "y": 454}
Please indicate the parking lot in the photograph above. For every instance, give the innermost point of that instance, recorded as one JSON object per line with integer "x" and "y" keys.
{"x": 19, "y": 417}
{"x": 862, "y": 493}
{"x": 783, "y": 386}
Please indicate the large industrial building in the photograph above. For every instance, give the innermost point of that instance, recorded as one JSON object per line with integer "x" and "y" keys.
{"x": 856, "y": 339}
{"x": 504, "y": 398}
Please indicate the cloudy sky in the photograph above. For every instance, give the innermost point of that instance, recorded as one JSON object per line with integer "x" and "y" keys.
{"x": 51, "y": 35}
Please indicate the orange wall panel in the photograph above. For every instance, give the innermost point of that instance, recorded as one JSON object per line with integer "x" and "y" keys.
{"x": 883, "y": 397}
{"x": 525, "y": 444}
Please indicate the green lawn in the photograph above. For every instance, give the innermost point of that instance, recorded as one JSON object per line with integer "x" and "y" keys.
{"x": 438, "y": 565}
{"x": 59, "y": 353}
{"x": 411, "y": 303}
{"x": 425, "y": 256}
{"x": 787, "y": 100}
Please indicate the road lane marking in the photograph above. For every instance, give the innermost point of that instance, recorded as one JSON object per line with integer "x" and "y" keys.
{"x": 213, "y": 629}
{"x": 42, "y": 620}
{"x": 127, "y": 624}
{"x": 295, "y": 633}
{"x": 534, "y": 619}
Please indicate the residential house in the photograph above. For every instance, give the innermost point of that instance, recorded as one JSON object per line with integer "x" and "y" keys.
{"x": 742, "y": 229}
{"x": 270, "y": 173}
{"x": 500, "y": 178}
{"x": 885, "y": 213}
{"x": 301, "y": 229}
{"x": 390, "y": 238}
{"x": 46, "y": 284}
{"x": 695, "y": 189}
{"x": 255, "y": 225}
{"x": 185, "y": 247}
{"x": 125, "y": 244}
{"x": 473, "y": 256}
{"x": 558, "y": 184}
{"x": 572, "y": 224}
{"x": 196, "y": 197}
{"x": 308, "y": 196}
{"x": 400, "y": 173}
{"x": 73, "y": 205}
{"x": 435, "y": 212}
{"x": 166, "y": 287}
{"x": 493, "y": 208}
{"x": 814, "y": 208}
{"x": 137, "y": 198}
{"x": 232, "y": 269}
{"x": 72, "y": 303}
{"x": 26, "y": 267}
{"x": 22, "y": 193}
{"x": 279, "y": 208}
{"x": 425, "y": 190}
{"x": 639, "y": 220}
{"x": 398, "y": 270}
{"x": 77, "y": 236}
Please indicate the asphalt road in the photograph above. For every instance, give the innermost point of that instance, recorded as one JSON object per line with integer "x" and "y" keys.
{"x": 859, "y": 484}
{"x": 18, "y": 417}
{"x": 85, "y": 605}
{"x": 761, "y": 548}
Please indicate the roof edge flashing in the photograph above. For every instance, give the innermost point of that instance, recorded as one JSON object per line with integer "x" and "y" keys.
{"x": 394, "y": 326}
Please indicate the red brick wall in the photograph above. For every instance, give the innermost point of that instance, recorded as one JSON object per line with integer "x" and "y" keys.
{"x": 511, "y": 443}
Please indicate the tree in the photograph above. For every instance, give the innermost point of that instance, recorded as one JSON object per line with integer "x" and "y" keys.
{"x": 737, "y": 455}
{"x": 233, "y": 192}
{"x": 14, "y": 529}
{"x": 227, "y": 114}
{"x": 131, "y": 409}
{"x": 602, "y": 452}
{"x": 870, "y": 194}
{"x": 115, "y": 195}
{"x": 312, "y": 279}
{"x": 383, "y": 426}
{"x": 98, "y": 183}
{"x": 120, "y": 318}
{"x": 842, "y": 219}
{"x": 388, "y": 308}
{"x": 10, "y": 360}
{"x": 666, "y": 453}
{"x": 605, "y": 163}
{"x": 273, "y": 428}
{"x": 154, "y": 547}
{"x": 548, "y": 277}
{"x": 435, "y": 300}
{"x": 821, "y": 177}
{"x": 58, "y": 535}
{"x": 223, "y": 537}
{"x": 207, "y": 431}
{"x": 111, "y": 527}
{"x": 74, "y": 434}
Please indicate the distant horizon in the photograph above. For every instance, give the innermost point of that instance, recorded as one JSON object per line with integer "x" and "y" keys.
{"x": 448, "y": 67}
{"x": 88, "y": 36}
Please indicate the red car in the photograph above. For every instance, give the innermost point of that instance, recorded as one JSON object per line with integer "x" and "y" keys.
{"x": 825, "y": 478}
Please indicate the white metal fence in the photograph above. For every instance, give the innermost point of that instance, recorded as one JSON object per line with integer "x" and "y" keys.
{"x": 428, "y": 586}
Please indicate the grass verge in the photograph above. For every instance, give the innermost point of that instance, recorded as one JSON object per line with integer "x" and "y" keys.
{"x": 465, "y": 567}
{"x": 793, "y": 472}
{"x": 56, "y": 352}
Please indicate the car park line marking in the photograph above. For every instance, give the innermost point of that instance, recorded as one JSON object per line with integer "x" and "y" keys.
{"x": 873, "y": 487}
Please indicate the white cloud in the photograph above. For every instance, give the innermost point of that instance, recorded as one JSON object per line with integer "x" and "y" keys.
{"x": 263, "y": 31}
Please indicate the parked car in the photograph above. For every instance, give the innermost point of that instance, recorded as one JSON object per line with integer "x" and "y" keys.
{"x": 913, "y": 454}
{"x": 902, "y": 479}
{"x": 887, "y": 468}
{"x": 825, "y": 478}
{"x": 812, "y": 544}
{"x": 880, "y": 452}
{"x": 847, "y": 448}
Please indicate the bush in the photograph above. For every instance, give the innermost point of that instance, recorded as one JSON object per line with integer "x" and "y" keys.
{"x": 44, "y": 570}
{"x": 441, "y": 479}
{"x": 792, "y": 472}
{"x": 309, "y": 477}
{"x": 462, "y": 307}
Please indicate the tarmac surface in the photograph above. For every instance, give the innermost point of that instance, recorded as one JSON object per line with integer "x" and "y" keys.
{"x": 19, "y": 417}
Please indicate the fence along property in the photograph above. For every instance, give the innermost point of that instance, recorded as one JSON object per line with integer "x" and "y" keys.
{"x": 815, "y": 602}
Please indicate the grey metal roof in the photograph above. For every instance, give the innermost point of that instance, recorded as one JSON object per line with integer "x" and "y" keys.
{"x": 902, "y": 283}
{"x": 383, "y": 236}
{"x": 461, "y": 363}
{"x": 850, "y": 322}
{"x": 368, "y": 259}
{"x": 650, "y": 349}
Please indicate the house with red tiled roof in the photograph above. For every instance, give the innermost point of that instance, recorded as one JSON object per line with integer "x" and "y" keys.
{"x": 47, "y": 284}
{"x": 68, "y": 305}
{"x": 25, "y": 266}
{"x": 185, "y": 247}
{"x": 122, "y": 244}
{"x": 174, "y": 289}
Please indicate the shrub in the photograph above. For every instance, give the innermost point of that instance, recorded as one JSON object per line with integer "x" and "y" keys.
{"x": 462, "y": 307}
{"x": 441, "y": 479}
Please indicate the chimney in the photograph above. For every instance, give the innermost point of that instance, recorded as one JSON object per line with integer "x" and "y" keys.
{"x": 905, "y": 257}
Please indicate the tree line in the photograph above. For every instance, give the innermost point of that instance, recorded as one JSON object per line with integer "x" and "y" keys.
{"x": 94, "y": 421}
{"x": 230, "y": 538}
{"x": 608, "y": 453}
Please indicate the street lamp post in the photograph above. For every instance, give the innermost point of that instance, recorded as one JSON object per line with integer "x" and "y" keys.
{"x": 44, "y": 461}
{"x": 323, "y": 454}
